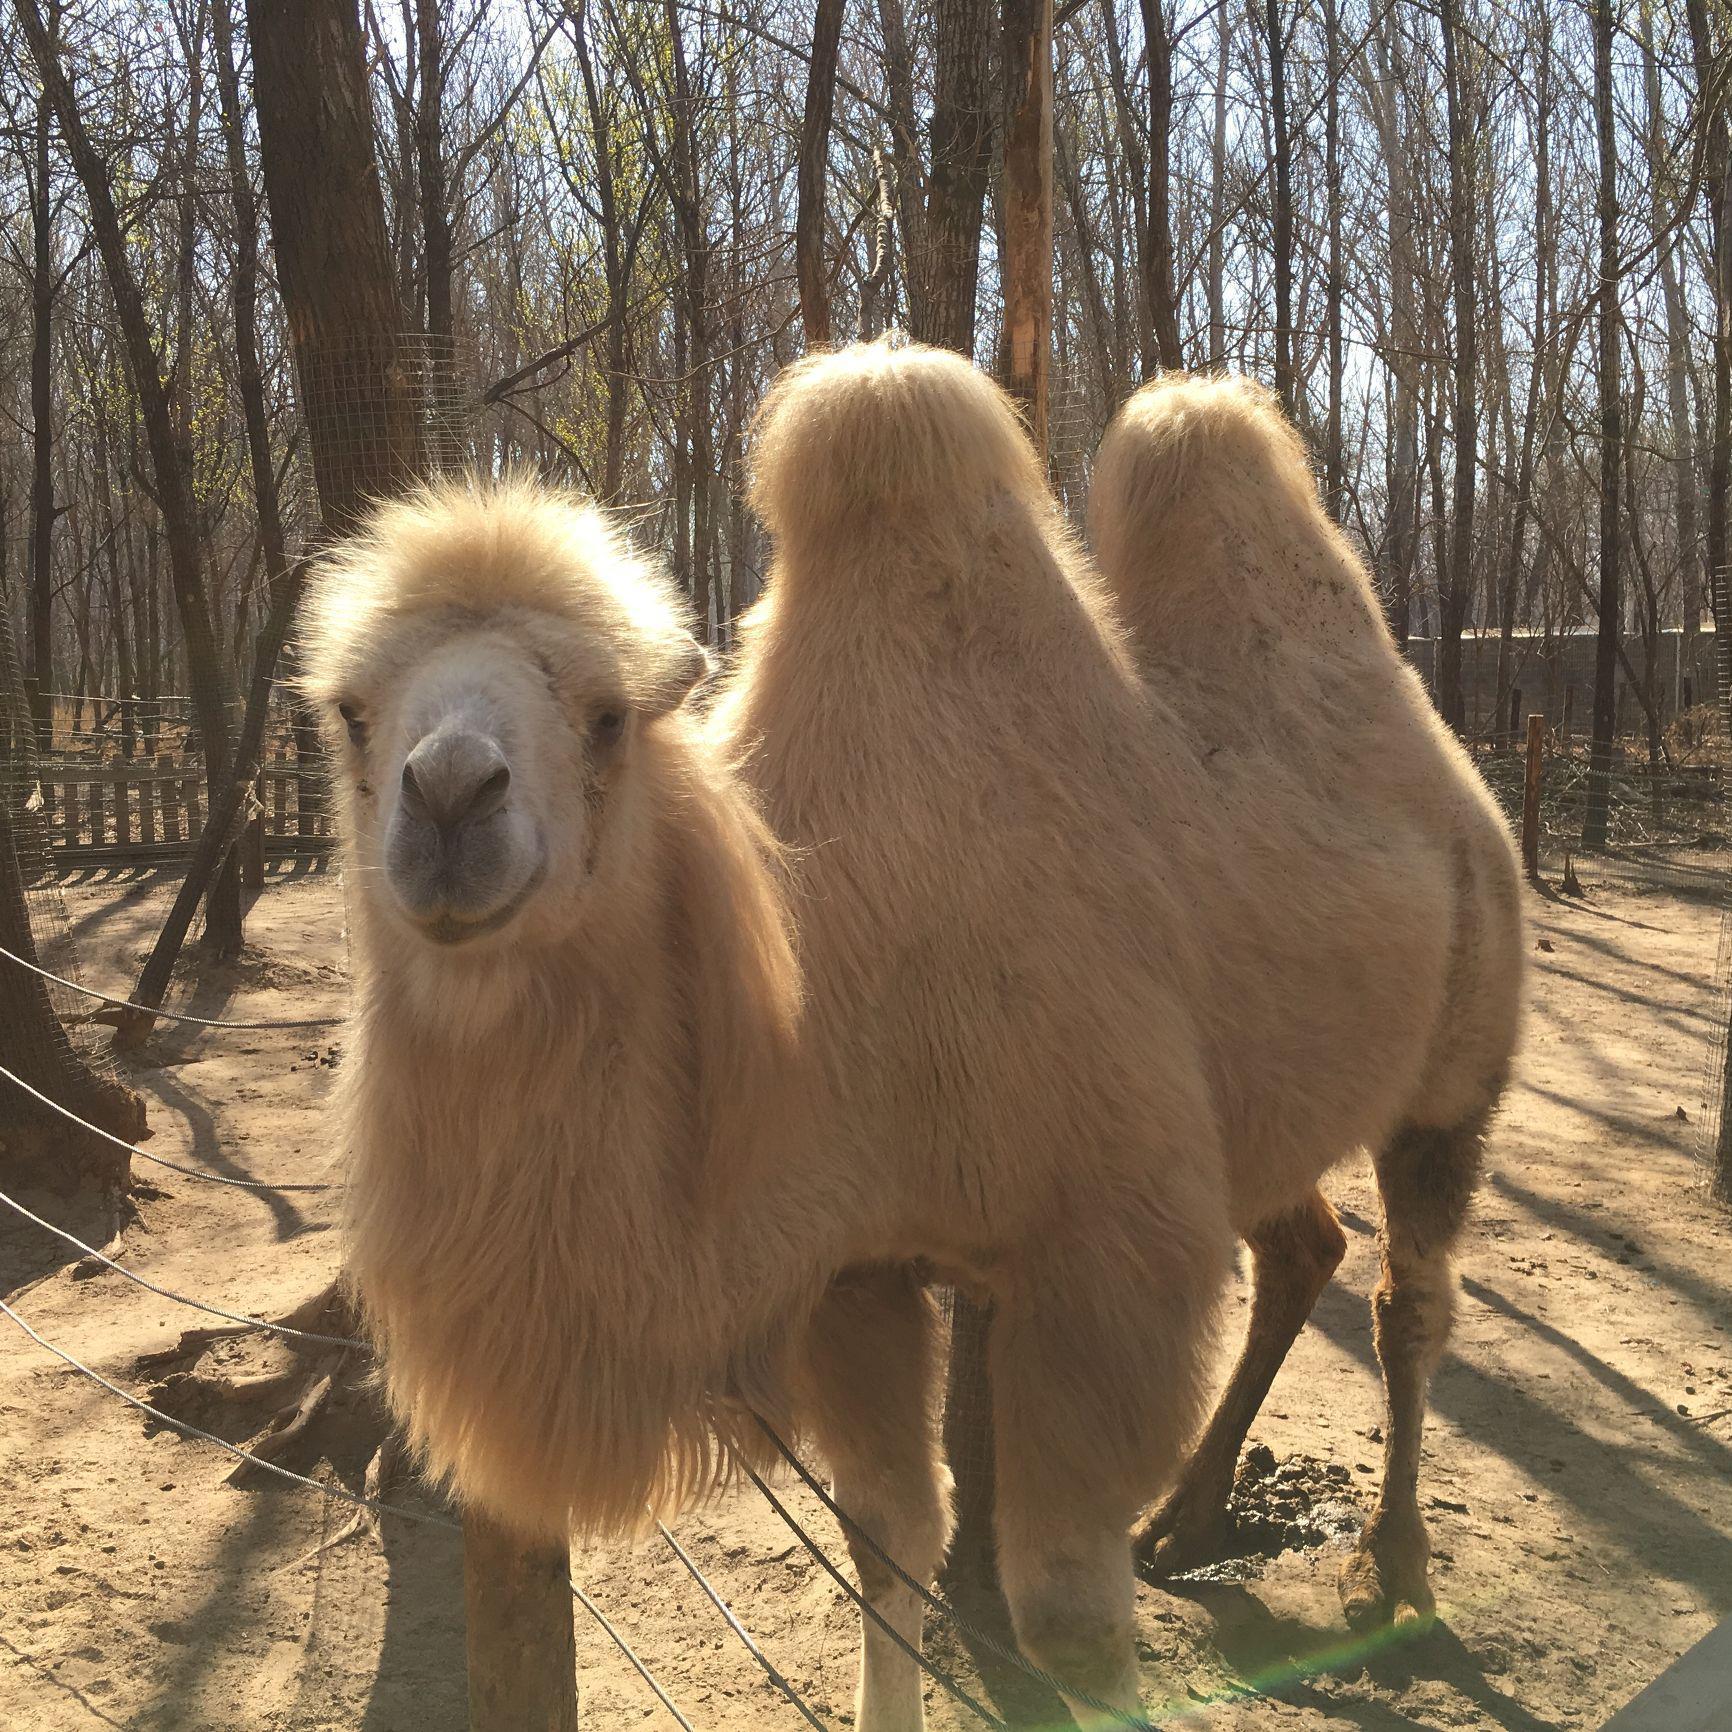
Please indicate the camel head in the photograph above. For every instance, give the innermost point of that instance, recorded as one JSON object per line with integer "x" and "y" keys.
{"x": 485, "y": 658}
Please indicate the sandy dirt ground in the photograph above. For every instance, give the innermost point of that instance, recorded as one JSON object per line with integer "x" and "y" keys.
{"x": 1577, "y": 1477}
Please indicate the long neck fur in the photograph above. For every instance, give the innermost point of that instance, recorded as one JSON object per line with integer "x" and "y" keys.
{"x": 564, "y": 1210}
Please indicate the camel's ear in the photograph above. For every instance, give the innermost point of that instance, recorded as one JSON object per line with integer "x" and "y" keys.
{"x": 681, "y": 664}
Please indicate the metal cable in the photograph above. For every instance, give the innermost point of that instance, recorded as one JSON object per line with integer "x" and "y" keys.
{"x": 745, "y": 1635}
{"x": 145, "y": 1154}
{"x": 341, "y": 1493}
{"x": 167, "y": 1015}
{"x": 179, "y": 1298}
{"x": 971, "y": 1631}
{"x": 936, "y": 1673}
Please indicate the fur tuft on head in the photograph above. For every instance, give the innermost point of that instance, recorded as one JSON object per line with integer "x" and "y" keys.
{"x": 1205, "y": 516}
{"x": 878, "y": 434}
{"x": 475, "y": 546}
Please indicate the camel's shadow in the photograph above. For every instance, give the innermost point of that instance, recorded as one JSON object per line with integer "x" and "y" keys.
{"x": 1282, "y": 1656}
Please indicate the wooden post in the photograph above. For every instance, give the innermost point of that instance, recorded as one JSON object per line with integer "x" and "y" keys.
{"x": 279, "y": 786}
{"x": 170, "y": 790}
{"x": 253, "y": 854}
{"x": 1531, "y": 795}
{"x": 147, "y": 803}
{"x": 518, "y": 1631}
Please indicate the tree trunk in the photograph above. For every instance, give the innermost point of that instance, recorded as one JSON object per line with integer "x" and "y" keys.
{"x": 1333, "y": 478}
{"x": 1282, "y": 260}
{"x": 956, "y": 190}
{"x": 905, "y": 160}
{"x": 685, "y": 193}
{"x": 1026, "y": 266}
{"x": 1157, "y": 248}
{"x": 1135, "y": 180}
{"x": 42, "y": 424}
{"x": 1716, "y": 121}
{"x": 1218, "y": 198}
{"x": 1400, "y": 531}
{"x": 1594, "y": 827}
{"x": 616, "y": 266}
{"x": 436, "y": 241}
{"x": 333, "y": 252}
{"x": 813, "y": 173}
{"x": 1456, "y": 587}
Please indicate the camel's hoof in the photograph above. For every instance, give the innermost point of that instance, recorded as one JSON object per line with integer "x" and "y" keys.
{"x": 1183, "y": 1534}
{"x": 1376, "y": 1595}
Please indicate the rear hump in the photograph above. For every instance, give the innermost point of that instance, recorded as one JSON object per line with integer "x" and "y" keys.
{"x": 1205, "y": 518}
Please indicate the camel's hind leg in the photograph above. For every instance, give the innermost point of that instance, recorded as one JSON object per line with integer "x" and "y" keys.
{"x": 1427, "y": 1177}
{"x": 871, "y": 1404}
{"x": 1292, "y": 1258}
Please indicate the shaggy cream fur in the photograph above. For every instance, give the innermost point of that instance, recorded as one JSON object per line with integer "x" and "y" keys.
{"x": 562, "y": 1139}
{"x": 949, "y": 939}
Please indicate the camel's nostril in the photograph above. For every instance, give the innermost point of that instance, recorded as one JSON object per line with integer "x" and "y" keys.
{"x": 455, "y": 777}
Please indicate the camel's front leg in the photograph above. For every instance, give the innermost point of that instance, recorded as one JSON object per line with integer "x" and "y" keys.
{"x": 1292, "y": 1258}
{"x": 870, "y": 1402}
{"x": 1097, "y": 1374}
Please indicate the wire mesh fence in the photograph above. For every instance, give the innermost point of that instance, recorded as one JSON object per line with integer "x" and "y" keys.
{"x": 382, "y": 413}
{"x": 1665, "y": 826}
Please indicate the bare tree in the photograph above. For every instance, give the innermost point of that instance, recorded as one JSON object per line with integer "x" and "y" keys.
{"x": 166, "y": 438}
{"x": 1610, "y": 600}
{"x": 1157, "y": 253}
{"x": 1454, "y": 589}
{"x": 956, "y": 184}
{"x": 814, "y": 163}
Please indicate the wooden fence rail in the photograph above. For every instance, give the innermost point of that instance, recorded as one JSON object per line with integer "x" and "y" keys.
{"x": 141, "y": 809}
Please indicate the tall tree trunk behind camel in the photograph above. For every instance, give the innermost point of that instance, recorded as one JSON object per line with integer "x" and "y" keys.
{"x": 334, "y": 269}
{"x": 1456, "y": 578}
{"x": 814, "y": 173}
{"x": 1157, "y": 242}
{"x": 1708, "y": 43}
{"x": 1596, "y": 821}
{"x": 949, "y": 262}
{"x": 1282, "y": 262}
{"x": 1026, "y": 267}
{"x": 42, "y": 422}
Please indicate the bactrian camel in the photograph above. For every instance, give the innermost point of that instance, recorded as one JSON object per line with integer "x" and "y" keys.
{"x": 945, "y": 941}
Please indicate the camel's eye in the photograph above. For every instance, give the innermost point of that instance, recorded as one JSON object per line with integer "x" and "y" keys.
{"x": 607, "y": 729}
{"x": 354, "y": 722}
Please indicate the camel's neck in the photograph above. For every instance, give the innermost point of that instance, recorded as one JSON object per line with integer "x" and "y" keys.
{"x": 567, "y": 1193}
